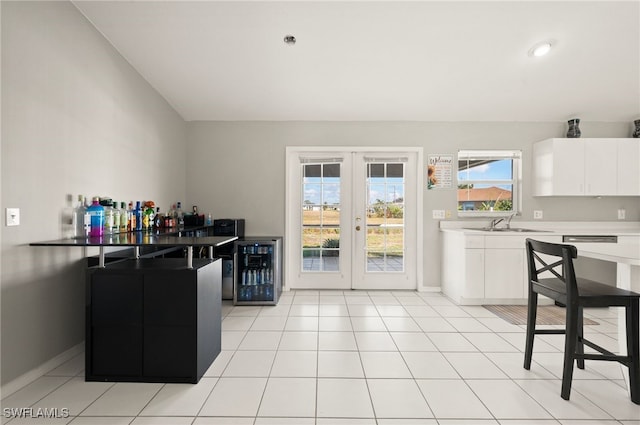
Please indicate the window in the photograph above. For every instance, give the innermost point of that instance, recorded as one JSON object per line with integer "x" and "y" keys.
{"x": 489, "y": 182}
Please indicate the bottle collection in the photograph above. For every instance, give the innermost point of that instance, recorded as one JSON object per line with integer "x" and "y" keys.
{"x": 103, "y": 216}
{"x": 256, "y": 277}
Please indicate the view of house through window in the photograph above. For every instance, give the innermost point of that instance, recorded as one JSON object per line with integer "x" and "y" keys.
{"x": 488, "y": 182}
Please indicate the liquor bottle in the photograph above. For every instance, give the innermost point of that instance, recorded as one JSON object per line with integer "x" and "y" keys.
{"x": 115, "y": 228}
{"x": 66, "y": 219}
{"x": 138, "y": 214}
{"x": 124, "y": 218}
{"x": 131, "y": 217}
{"x": 78, "y": 218}
{"x": 158, "y": 221}
{"x": 107, "y": 203}
{"x": 96, "y": 213}
{"x": 179, "y": 214}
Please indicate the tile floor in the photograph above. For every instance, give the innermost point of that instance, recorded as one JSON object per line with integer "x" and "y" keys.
{"x": 364, "y": 358}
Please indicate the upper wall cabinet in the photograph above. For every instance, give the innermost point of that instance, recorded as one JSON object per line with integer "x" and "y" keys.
{"x": 586, "y": 167}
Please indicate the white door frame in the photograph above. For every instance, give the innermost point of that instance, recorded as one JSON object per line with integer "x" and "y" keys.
{"x": 292, "y": 248}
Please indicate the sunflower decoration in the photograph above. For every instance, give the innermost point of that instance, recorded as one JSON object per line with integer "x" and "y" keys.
{"x": 431, "y": 175}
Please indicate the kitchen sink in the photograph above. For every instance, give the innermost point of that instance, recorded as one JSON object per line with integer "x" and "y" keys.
{"x": 504, "y": 229}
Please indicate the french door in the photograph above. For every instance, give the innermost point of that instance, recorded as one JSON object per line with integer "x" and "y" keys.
{"x": 352, "y": 218}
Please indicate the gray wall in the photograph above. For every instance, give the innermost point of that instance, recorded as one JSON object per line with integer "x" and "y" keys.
{"x": 76, "y": 119}
{"x": 237, "y": 169}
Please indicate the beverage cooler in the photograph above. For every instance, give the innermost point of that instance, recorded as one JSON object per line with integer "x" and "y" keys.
{"x": 257, "y": 271}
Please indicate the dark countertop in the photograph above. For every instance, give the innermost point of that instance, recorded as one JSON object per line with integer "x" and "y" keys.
{"x": 167, "y": 237}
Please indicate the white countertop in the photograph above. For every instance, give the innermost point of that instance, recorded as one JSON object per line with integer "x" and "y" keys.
{"x": 546, "y": 227}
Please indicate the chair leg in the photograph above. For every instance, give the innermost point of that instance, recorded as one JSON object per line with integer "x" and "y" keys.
{"x": 531, "y": 328}
{"x": 633, "y": 350}
{"x": 580, "y": 344}
{"x": 570, "y": 341}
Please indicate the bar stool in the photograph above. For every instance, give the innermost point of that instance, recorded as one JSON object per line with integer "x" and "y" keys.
{"x": 576, "y": 293}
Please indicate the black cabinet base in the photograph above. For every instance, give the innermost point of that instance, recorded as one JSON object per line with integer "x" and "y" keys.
{"x": 153, "y": 320}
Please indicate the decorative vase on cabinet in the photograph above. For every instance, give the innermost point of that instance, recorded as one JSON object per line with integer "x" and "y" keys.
{"x": 636, "y": 133}
{"x": 574, "y": 131}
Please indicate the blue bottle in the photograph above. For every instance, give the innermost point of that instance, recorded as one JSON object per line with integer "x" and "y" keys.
{"x": 138, "y": 212}
{"x": 96, "y": 217}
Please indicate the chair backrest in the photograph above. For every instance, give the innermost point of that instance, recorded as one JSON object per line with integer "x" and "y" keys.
{"x": 558, "y": 261}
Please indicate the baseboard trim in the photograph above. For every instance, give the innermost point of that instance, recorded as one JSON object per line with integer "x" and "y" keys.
{"x": 27, "y": 378}
{"x": 430, "y": 289}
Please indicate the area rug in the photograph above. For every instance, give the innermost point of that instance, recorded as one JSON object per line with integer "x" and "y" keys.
{"x": 547, "y": 315}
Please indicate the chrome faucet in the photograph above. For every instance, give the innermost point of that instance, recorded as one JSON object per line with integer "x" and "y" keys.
{"x": 509, "y": 219}
{"x": 495, "y": 222}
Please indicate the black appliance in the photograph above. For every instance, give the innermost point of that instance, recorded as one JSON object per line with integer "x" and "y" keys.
{"x": 227, "y": 227}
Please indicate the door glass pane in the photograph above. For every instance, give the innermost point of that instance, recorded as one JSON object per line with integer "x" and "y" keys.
{"x": 385, "y": 217}
{"x": 321, "y": 217}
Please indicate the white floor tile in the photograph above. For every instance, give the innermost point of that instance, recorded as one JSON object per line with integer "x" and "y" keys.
{"x": 490, "y": 342}
{"x": 162, "y": 421}
{"x": 72, "y": 367}
{"x": 450, "y": 311}
{"x": 123, "y": 399}
{"x": 452, "y": 399}
{"x": 474, "y": 366}
{"x": 339, "y": 364}
{"x": 304, "y": 310}
{"x": 75, "y": 395}
{"x": 411, "y": 341}
{"x": 451, "y": 342}
{"x": 331, "y": 299}
{"x": 234, "y": 397}
{"x": 336, "y": 341}
{"x": 344, "y": 398}
{"x": 547, "y": 393}
{"x": 421, "y": 311}
{"x": 237, "y": 323}
{"x": 513, "y": 365}
{"x": 31, "y": 393}
{"x": 180, "y": 399}
{"x": 219, "y": 364}
{"x": 357, "y": 310}
{"x": 429, "y": 365}
{"x": 333, "y": 310}
{"x": 299, "y": 341}
{"x": 232, "y": 339}
{"x": 344, "y": 421}
{"x": 608, "y": 396}
{"x": 401, "y": 324}
{"x": 467, "y": 324}
{"x": 269, "y": 323}
{"x": 285, "y": 421}
{"x": 506, "y": 400}
{"x": 335, "y": 324}
{"x": 295, "y": 364}
{"x": 368, "y": 324}
{"x": 385, "y": 364}
{"x": 103, "y": 420}
{"x": 289, "y": 397}
{"x": 275, "y": 310}
{"x": 260, "y": 340}
{"x": 223, "y": 421}
{"x": 398, "y": 398}
{"x": 250, "y": 364}
{"x": 245, "y": 310}
{"x": 434, "y": 324}
{"x": 301, "y": 323}
{"x": 375, "y": 341}
{"x": 392, "y": 311}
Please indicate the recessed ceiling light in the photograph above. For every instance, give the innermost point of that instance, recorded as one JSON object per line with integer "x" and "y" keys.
{"x": 290, "y": 40}
{"x": 542, "y": 48}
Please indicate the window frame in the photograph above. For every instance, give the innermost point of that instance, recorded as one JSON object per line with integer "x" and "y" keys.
{"x": 516, "y": 180}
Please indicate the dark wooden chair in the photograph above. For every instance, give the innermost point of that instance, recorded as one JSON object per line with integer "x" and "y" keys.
{"x": 576, "y": 293}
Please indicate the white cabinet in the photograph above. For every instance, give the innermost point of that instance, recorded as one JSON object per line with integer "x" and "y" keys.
{"x": 492, "y": 269}
{"x": 628, "y": 167}
{"x": 586, "y": 167}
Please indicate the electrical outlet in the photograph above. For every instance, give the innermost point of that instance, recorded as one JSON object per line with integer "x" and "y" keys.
{"x": 622, "y": 214}
{"x": 438, "y": 214}
{"x": 537, "y": 215}
{"x": 13, "y": 216}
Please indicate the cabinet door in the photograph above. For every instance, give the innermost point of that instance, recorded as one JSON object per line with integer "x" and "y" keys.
{"x": 568, "y": 167}
{"x": 601, "y": 163}
{"x": 628, "y": 174}
{"x": 474, "y": 273}
{"x": 503, "y": 273}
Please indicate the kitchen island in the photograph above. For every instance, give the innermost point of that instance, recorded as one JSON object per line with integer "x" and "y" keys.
{"x": 151, "y": 319}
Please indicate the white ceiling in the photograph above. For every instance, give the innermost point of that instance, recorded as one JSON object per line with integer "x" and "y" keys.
{"x": 382, "y": 60}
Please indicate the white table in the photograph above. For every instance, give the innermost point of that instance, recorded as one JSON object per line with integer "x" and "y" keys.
{"x": 627, "y": 259}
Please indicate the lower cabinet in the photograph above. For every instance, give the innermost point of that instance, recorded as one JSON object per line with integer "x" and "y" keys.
{"x": 153, "y": 320}
{"x": 479, "y": 269}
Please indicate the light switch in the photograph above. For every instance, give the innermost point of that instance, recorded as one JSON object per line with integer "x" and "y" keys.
{"x": 13, "y": 216}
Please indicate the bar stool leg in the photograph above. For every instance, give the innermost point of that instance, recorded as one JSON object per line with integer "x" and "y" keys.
{"x": 570, "y": 341}
{"x": 531, "y": 328}
{"x": 633, "y": 350}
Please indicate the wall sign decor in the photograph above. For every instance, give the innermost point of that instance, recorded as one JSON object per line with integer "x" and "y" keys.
{"x": 440, "y": 172}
